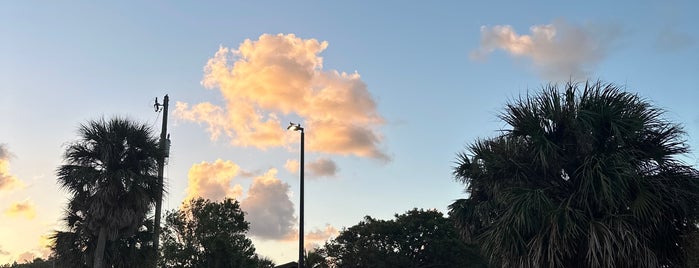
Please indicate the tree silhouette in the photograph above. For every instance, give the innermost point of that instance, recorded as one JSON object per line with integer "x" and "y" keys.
{"x": 209, "y": 234}
{"x": 587, "y": 176}
{"x": 417, "y": 238}
{"x": 110, "y": 173}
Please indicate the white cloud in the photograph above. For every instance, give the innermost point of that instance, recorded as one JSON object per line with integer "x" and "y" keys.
{"x": 280, "y": 75}
{"x": 559, "y": 51}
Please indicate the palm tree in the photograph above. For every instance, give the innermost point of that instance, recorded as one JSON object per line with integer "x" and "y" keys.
{"x": 587, "y": 177}
{"x": 110, "y": 172}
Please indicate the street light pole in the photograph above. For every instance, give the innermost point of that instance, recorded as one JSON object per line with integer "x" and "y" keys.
{"x": 165, "y": 150}
{"x": 297, "y": 127}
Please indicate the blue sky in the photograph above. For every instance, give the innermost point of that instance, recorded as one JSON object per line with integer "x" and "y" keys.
{"x": 437, "y": 74}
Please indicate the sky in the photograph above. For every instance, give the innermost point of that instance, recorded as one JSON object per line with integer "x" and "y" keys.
{"x": 388, "y": 93}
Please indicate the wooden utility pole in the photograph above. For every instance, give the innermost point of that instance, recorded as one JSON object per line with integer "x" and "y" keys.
{"x": 164, "y": 147}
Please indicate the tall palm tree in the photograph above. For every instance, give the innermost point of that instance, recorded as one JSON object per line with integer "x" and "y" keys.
{"x": 111, "y": 173}
{"x": 588, "y": 176}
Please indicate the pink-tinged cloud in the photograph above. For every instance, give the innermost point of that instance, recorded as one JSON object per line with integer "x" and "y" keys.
{"x": 24, "y": 209}
{"x": 26, "y": 257}
{"x": 268, "y": 207}
{"x": 282, "y": 75}
{"x": 558, "y": 51}
{"x": 8, "y": 182}
{"x": 266, "y": 203}
{"x": 4, "y": 252}
{"x": 213, "y": 181}
{"x": 42, "y": 251}
{"x": 322, "y": 167}
{"x": 316, "y": 237}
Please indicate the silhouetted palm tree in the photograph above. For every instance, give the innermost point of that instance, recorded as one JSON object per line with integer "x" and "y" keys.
{"x": 110, "y": 171}
{"x": 588, "y": 177}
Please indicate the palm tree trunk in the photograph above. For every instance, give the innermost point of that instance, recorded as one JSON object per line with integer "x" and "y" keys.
{"x": 99, "y": 252}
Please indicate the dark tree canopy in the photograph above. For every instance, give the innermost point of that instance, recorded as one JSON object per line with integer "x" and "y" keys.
{"x": 74, "y": 248}
{"x": 208, "y": 234}
{"x": 110, "y": 173}
{"x": 585, "y": 176}
{"x": 418, "y": 238}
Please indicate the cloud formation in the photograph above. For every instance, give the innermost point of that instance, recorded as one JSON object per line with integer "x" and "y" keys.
{"x": 316, "y": 237}
{"x": 213, "y": 181}
{"x": 322, "y": 167}
{"x": 266, "y": 203}
{"x": 8, "y": 182}
{"x": 26, "y": 257}
{"x": 292, "y": 165}
{"x": 558, "y": 51}
{"x": 280, "y": 75}
{"x": 268, "y": 207}
{"x": 25, "y": 208}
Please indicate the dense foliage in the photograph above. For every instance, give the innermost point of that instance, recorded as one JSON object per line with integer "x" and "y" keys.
{"x": 208, "y": 234}
{"x": 587, "y": 176}
{"x": 110, "y": 174}
{"x": 417, "y": 238}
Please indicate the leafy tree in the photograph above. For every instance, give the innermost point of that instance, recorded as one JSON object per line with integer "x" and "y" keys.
{"x": 418, "y": 238}
{"x": 209, "y": 234}
{"x": 587, "y": 176}
{"x": 110, "y": 173}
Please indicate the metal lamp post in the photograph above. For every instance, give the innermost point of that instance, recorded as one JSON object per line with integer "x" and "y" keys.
{"x": 297, "y": 127}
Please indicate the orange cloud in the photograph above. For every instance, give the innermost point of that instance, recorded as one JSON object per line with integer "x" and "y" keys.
{"x": 279, "y": 75}
{"x": 25, "y": 208}
{"x": 316, "y": 237}
{"x": 292, "y": 165}
{"x": 268, "y": 207}
{"x": 213, "y": 181}
{"x": 559, "y": 51}
{"x": 8, "y": 182}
